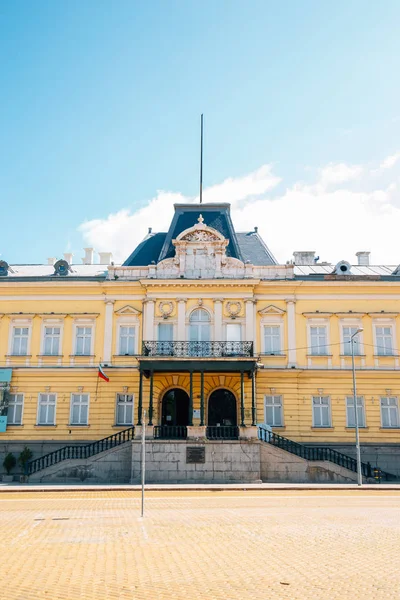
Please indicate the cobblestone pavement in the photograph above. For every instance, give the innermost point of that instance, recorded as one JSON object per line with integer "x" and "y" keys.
{"x": 200, "y": 545}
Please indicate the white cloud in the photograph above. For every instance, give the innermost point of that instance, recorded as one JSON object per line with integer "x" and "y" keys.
{"x": 389, "y": 162}
{"x": 345, "y": 210}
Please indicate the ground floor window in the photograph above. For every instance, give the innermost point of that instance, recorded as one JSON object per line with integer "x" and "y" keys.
{"x": 273, "y": 411}
{"x": 79, "y": 409}
{"x": 124, "y": 409}
{"x": 15, "y": 407}
{"x": 351, "y": 418}
{"x": 321, "y": 411}
{"x": 389, "y": 412}
{"x": 47, "y": 409}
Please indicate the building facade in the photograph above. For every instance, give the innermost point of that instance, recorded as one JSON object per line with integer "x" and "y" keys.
{"x": 201, "y": 334}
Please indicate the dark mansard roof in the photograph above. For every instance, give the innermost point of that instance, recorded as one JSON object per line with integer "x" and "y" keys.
{"x": 246, "y": 246}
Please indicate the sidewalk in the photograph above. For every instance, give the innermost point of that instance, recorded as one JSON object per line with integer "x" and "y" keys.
{"x": 15, "y": 487}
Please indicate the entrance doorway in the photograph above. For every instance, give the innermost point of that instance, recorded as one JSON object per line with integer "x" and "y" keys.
{"x": 175, "y": 408}
{"x": 222, "y": 409}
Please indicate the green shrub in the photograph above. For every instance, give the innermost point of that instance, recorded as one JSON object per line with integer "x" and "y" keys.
{"x": 9, "y": 462}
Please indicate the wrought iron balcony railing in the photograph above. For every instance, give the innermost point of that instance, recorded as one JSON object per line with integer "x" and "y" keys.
{"x": 198, "y": 349}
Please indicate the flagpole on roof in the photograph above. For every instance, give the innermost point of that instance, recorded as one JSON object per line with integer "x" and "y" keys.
{"x": 201, "y": 159}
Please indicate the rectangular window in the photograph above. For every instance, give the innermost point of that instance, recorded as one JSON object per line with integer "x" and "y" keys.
{"x": 233, "y": 332}
{"x": 384, "y": 340}
{"x": 165, "y": 332}
{"x": 389, "y": 412}
{"x": 351, "y": 418}
{"x": 273, "y": 411}
{"x": 124, "y": 409}
{"x": 347, "y": 333}
{"x": 20, "y": 341}
{"x": 52, "y": 341}
{"x": 47, "y": 409}
{"x": 79, "y": 409}
{"x": 127, "y": 340}
{"x": 321, "y": 411}
{"x": 272, "y": 339}
{"x": 15, "y": 406}
{"x": 318, "y": 340}
{"x": 83, "y": 341}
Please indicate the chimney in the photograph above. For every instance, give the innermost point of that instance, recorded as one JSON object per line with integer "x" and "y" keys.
{"x": 305, "y": 257}
{"x": 68, "y": 257}
{"x": 105, "y": 258}
{"x": 51, "y": 261}
{"x": 363, "y": 258}
{"x": 88, "y": 260}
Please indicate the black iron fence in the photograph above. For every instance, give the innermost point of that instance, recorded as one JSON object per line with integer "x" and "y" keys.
{"x": 197, "y": 349}
{"x": 170, "y": 432}
{"x": 316, "y": 453}
{"x": 86, "y": 451}
{"x": 222, "y": 432}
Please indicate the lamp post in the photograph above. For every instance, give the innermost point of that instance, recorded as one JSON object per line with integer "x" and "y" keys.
{"x": 358, "y": 451}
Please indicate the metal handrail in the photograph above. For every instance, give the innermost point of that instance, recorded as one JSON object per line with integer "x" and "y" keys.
{"x": 86, "y": 451}
{"x": 170, "y": 432}
{"x": 315, "y": 452}
{"x": 222, "y": 432}
{"x": 197, "y": 349}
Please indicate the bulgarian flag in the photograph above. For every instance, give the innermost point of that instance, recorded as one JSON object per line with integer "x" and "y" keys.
{"x": 102, "y": 375}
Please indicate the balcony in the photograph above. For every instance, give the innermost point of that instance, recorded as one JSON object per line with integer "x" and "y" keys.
{"x": 198, "y": 349}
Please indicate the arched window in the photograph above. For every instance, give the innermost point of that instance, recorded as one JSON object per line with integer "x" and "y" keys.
{"x": 199, "y": 326}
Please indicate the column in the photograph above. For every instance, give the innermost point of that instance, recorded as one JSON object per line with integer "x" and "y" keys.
{"x": 218, "y": 320}
{"x": 148, "y": 320}
{"x": 291, "y": 327}
{"x": 108, "y": 331}
{"x": 190, "y": 420}
{"x": 181, "y": 333}
{"x": 253, "y": 399}
{"x": 151, "y": 398}
{"x": 202, "y": 399}
{"x": 242, "y": 399}
{"x": 249, "y": 333}
{"x": 140, "y": 404}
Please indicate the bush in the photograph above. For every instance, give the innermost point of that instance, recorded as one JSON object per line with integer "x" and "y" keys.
{"x": 9, "y": 462}
{"x": 25, "y": 457}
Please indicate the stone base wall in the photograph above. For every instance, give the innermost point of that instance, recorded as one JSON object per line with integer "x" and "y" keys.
{"x": 279, "y": 466}
{"x": 225, "y": 462}
{"x": 111, "y": 466}
{"x": 385, "y": 456}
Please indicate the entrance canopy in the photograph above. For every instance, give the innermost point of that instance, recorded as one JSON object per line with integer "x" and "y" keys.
{"x": 208, "y": 365}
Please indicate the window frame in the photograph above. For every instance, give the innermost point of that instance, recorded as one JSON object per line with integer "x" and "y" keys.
{"x": 127, "y": 321}
{"x": 117, "y": 403}
{"x": 391, "y": 326}
{"x": 20, "y": 324}
{"x": 22, "y": 403}
{"x": 397, "y": 411}
{"x": 38, "y": 409}
{"x": 359, "y": 337}
{"x": 279, "y": 326}
{"x": 126, "y": 326}
{"x": 273, "y": 396}
{"x": 72, "y": 404}
{"x": 52, "y": 323}
{"x": 329, "y": 426}
{"x": 84, "y": 323}
{"x": 364, "y": 421}
{"x": 311, "y": 351}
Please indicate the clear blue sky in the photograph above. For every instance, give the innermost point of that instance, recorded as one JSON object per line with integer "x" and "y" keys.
{"x": 100, "y": 101}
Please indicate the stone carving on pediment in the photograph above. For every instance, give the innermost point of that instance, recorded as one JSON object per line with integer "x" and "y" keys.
{"x": 200, "y": 236}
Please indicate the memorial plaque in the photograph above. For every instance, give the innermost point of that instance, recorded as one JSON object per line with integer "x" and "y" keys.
{"x": 195, "y": 454}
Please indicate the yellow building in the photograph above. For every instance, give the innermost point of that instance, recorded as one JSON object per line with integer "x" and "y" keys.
{"x": 203, "y": 330}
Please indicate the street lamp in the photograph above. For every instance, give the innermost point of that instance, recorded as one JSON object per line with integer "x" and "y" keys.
{"x": 358, "y": 452}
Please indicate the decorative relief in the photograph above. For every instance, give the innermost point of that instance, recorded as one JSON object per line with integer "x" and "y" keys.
{"x": 200, "y": 236}
{"x": 166, "y": 308}
{"x": 233, "y": 308}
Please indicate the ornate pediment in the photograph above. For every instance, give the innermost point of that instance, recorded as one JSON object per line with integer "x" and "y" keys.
{"x": 271, "y": 310}
{"x": 128, "y": 311}
{"x": 200, "y": 233}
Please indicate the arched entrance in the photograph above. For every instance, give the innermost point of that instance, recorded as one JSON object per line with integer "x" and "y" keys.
{"x": 222, "y": 409}
{"x": 175, "y": 408}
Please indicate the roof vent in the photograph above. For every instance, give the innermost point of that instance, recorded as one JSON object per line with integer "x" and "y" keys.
{"x": 105, "y": 258}
{"x": 68, "y": 257}
{"x": 88, "y": 260}
{"x": 51, "y": 260}
{"x": 61, "y": 268}
{"x": 342, "y": 268}
{"x": 363, "y": 258}
{"x": 255, "y": 229}
{"x": 150, "y": 229}
{"x": 3, "y": 268}
{"x": 305, "y": 257}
